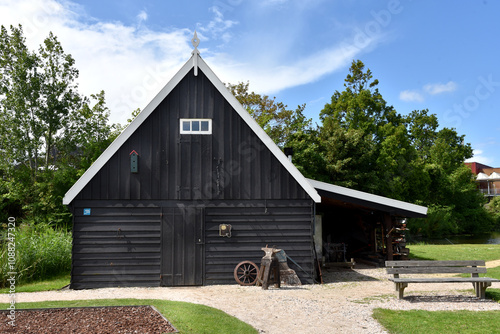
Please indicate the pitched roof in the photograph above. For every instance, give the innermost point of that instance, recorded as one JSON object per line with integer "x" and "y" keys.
{"x": 369, "y": 200}
{"x": 197, "y": 62}
{"x": 494, "y": 176}
{"x": 482, "y": 177}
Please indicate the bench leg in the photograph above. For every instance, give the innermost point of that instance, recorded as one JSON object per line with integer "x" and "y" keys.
{"x": 400, "y": 287}
{"x": 481, "y": 289}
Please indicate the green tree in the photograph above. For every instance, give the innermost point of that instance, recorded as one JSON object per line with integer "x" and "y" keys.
{"x": 360, "y": 105}
{"x": 493, "y": 207}
{"x": 49, "y": 132}
{"x": 279, "y": 122}
{"x": 367, "y": 145}
{"x": 88, "y": 133}
{"x": 59, "y": 96}
{"x": 349, "y": 156}
{"x": 354, "y": 125}
{"x": 20, "y": 84}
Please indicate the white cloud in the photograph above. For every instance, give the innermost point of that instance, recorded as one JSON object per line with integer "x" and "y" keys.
{"x": 438, "y": 88}
{"x": 218, "y": 27}
{"x": 431, "y": 89}
{"x": 478, "y": 156}
{"x": 142, "y": 16}
{"x": 131, "y": 64}
{"x": 274, "y": 77}
{"x": 411, "y": 96}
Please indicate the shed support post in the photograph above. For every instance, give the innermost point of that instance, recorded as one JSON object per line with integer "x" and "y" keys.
{"x": 387, "y": 228}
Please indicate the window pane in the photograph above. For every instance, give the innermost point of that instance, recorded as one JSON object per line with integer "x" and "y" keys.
{"x": 196, "y": 126}
{"x": 204, "y": 125}
{"x": 186, "y": 126}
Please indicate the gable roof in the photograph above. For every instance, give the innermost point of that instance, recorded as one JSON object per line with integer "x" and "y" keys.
{"x": 369, "y": 200}
{"x": 195, "y": 62}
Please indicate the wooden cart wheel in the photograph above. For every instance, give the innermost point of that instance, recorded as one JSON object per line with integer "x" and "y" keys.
{"x": 246, "y": 273}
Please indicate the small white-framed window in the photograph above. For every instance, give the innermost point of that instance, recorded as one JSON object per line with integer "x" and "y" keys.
{"x": 200, "y": 126}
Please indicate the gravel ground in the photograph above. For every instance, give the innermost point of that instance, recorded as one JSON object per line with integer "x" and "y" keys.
{"x": 343, "y": 306}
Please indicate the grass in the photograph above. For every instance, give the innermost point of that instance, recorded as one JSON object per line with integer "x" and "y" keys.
{"x": 487, "y": 252}
{"x": 442, "y": 322}
{"x": 493, "y": 273}
{"x": 41, "y": 252}
{"x": 186, "y": 317}
{"x": 50, "y": 284}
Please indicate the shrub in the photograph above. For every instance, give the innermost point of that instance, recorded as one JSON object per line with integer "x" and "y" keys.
{"x": 493, "y": 208}
{"x": 439, "y": 222}
{"x": 41, "y": 252}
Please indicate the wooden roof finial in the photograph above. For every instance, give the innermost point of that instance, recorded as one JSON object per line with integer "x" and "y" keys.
{"x": 195, "y": 41}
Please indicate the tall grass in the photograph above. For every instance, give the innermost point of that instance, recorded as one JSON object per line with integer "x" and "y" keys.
{"x": 41, "y": 252}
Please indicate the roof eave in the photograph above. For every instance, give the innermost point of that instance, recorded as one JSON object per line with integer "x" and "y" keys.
{"x": 374, "y": 201}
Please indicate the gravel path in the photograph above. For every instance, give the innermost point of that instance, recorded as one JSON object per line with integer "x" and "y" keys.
{"x": 343, "y": 306}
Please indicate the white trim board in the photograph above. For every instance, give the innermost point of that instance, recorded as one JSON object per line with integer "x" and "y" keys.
{"x": 194, "y": 61}
{"x": 367, "y": 197}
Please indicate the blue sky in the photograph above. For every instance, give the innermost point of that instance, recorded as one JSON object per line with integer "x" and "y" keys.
{"x": 436, "y": 55}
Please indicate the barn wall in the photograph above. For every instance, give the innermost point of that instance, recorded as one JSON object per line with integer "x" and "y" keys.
{"x": 116, "y": 247}
{"x": 287, "y": 226}
{"x": 128, "y": 244}
{"x": 232, "y": 163}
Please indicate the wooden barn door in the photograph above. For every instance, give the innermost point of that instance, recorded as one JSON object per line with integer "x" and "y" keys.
{"x": 182, "y": 247}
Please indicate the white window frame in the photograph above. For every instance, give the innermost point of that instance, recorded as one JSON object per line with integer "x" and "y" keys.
{"x": 193, "y": 132}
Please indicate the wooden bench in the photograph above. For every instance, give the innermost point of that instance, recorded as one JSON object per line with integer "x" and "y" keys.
{"x": 440, "y": 267}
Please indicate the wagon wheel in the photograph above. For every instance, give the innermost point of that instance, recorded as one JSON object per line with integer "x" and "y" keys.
{"x": 246, "y": 273}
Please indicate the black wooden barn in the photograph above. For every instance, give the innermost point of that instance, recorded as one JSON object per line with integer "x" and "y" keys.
{"x": 150, "y": 211}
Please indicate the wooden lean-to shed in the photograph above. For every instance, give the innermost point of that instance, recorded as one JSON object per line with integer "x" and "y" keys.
{"x": 190, "y": 188}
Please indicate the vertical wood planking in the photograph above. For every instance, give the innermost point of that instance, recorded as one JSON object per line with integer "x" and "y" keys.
{"x": 182, "y": 167}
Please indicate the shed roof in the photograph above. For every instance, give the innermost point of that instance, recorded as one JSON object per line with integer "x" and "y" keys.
{"x": 195, "y": 62}
{"x": 369, "y": 200}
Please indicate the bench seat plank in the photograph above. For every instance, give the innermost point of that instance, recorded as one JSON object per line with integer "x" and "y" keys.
{"x": 413, "y": 263}
{"x": 444, "y": 280}
{"x": 437, "y": 270}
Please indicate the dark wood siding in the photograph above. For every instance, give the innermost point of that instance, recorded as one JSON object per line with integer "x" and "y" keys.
{"x": 286, "y": 225}
{"x": 119, "y": 243}
{"x": 116, "y": 247}
{"x": 232, "y": 163}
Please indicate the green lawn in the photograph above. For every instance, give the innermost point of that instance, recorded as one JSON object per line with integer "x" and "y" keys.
{"x": 46, "y": 285}
{"x": 493, "y": 273}
{"x": 439, "y": 322}
{"x": 485, "y": 252}
{"x": 186, "y": 317}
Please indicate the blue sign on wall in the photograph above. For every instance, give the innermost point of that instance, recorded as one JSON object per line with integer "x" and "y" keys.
{"x": 86, "y": 212}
